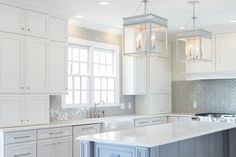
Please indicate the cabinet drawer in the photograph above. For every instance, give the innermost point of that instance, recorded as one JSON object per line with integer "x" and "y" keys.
{"x": 155, "y": 121}
{"x": 141, "y": 122}
{"x": 21, "y": 150}
{"x": 54, "y": 133}
{"x": 19, "y": 137}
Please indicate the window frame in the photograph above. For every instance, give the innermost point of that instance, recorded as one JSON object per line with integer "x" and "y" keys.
{"x": 91, "y": 46}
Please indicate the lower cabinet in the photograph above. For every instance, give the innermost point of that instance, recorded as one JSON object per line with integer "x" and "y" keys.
{"x": 81, "y": 131}
{"x": 21, "y": 150}
{"x": 61, "y": 147}
{"x": 169, "y": 150}
{"x": 114, "y": 151}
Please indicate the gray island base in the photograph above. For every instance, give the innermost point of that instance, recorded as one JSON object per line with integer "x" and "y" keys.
{"x": 194, "y": 139}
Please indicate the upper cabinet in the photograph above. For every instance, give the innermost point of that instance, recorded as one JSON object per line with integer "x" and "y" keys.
{"x": 12, "y": 19}
{"x": 58, "y": 29}
{"x": 17, "y": 20}
{"x": 37, "y": 24}
{"x": 11, "y": 56}
{"x": 225, "y": 50}
{"x": 134, "y": 75}
{"x": 33, "y": 52}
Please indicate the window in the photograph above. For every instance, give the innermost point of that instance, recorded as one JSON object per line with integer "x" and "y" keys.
{"x": 92, "y": 75}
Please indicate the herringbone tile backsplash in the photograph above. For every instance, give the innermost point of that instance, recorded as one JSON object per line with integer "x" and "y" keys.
{"x": 210, "y": 95}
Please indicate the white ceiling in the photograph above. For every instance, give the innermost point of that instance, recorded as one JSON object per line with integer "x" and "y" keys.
{"x": 210, "y": 12}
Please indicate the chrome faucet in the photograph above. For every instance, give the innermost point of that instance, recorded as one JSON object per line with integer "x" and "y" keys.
{"x": 95, "y": 113}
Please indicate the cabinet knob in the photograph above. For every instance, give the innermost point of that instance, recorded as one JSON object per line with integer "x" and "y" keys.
{"x": 22, "y": 87}
{"x": 28, "y": 87}
{"x": 27, "y": 120}
{"x": 22, "y": 28}
{"x": 22, "y": 120}
{"x": 28, "y": 29}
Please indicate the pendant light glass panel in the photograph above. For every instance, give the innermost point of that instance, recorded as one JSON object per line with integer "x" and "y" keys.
{"x": 145, "y": 34}
{"x": 195, "y": 45}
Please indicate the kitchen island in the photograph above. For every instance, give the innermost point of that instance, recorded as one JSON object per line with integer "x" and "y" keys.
{"x": 191, "y": 139}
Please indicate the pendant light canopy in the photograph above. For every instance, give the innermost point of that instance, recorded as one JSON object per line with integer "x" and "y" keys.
{"x": 145, "y": 34}
{"x": 194, "y": 44}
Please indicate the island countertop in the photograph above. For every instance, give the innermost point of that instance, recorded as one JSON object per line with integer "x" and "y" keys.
{"x": 152, "y": 136}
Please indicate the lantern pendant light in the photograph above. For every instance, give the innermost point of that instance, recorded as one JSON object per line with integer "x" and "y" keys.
{"x": 194, "y": 44}
{"x": 145, "y": 34}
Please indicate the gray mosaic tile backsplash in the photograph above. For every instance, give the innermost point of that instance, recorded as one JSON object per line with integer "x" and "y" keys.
{"x": 210, "y": 95}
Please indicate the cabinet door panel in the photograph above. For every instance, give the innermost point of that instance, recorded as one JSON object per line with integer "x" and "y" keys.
{"x": 160, "y": 75}
{"x": 21, "y": 150}
{"x": 140, "y": 75}
{"x": 58, "y": 67}
{"x": 216, "y": 141}
{"x": 36, "y": 65}
{"x": 160, "y": 103}
{"x": 46, "y": 148}
{"x": 225, "y": 50}
{"x": 12, "y": 19}
{"x": 58, "y": 29}
{"x": 169, "y": 150}
{"x": 11, "y": 58}
{"x": 37, "y": 24}
{"x": 113, "y": 151}
{"x": 186, "y": 148}
{"x": 64, "y": 147}
{"x": 81, "y": 131}
{"x": 36, "y": 110}
{"x": 13, "y": 105}
{"x": 202, "y": 146}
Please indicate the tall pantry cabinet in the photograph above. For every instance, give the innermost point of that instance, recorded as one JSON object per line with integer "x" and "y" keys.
{"x": 33, "y": 64}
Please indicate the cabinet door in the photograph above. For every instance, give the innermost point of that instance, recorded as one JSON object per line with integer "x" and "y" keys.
{"x": 12, "y": 19}
{"x": 58, "y": 29}
{"x": 225, "y": 50}
{"x": 11, "y": 58}
{"x": 46, "y": 148}
{"x": 21, "y": 150}
{"x": 186, "y": 148}
{"x": 160, "y": 103}
{"x": 36, "y": 110}
{"x": 57, "y": 67}
{"x": 202, "y": 146}
{"x": 81, "y": 131}
{"x": 140, "y": 75}
{"x": 36, "y": 61}
{"x": 169, "y": 150}
{"x": 114, "y": 151}
{"x": 64, "y": 147}
{"x": 37, "y": 24}
{"x": 159, "y": 75}
{"x": 11, "y": 111}
{"x": 216, "y": 144}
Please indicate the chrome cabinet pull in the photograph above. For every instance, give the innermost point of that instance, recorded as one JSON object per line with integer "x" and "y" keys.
{"x": 25, "y": 154}
{"x": 22, "y": 137}
{"x": 55, "y": 133}
{"x": 88, "y": 128}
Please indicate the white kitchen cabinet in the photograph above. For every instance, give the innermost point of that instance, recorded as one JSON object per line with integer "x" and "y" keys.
{"x": 159, "y": 74}
{"x": 225, "y": 50}
{"x": 23, "y": 110}
{"x": 36, "y": 63}
{"x": 11, "y": 68}
{"x": 61, "y": 147}
{"x": 46, "y": 148}
{"x": 82, "y": 131}
{"x": 37, "y": 24}
{"x": 11, "y": 110}
{"x": 21, "y": 150}
{"x": 36, "y": 110}
{"x": 58, "y": 29}
{"x": 134, "y": 75}
{"x": 57, "y": 67}
{"x": 12, "y": 19}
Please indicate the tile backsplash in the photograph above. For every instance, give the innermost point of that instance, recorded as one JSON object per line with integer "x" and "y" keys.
{"x": 210, "y": 95}
{"x": 59, "y": 113}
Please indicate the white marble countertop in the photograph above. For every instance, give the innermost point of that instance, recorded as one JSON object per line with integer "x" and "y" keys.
{"x": 86, "y": 121}
{"x": 152, "y": 136}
